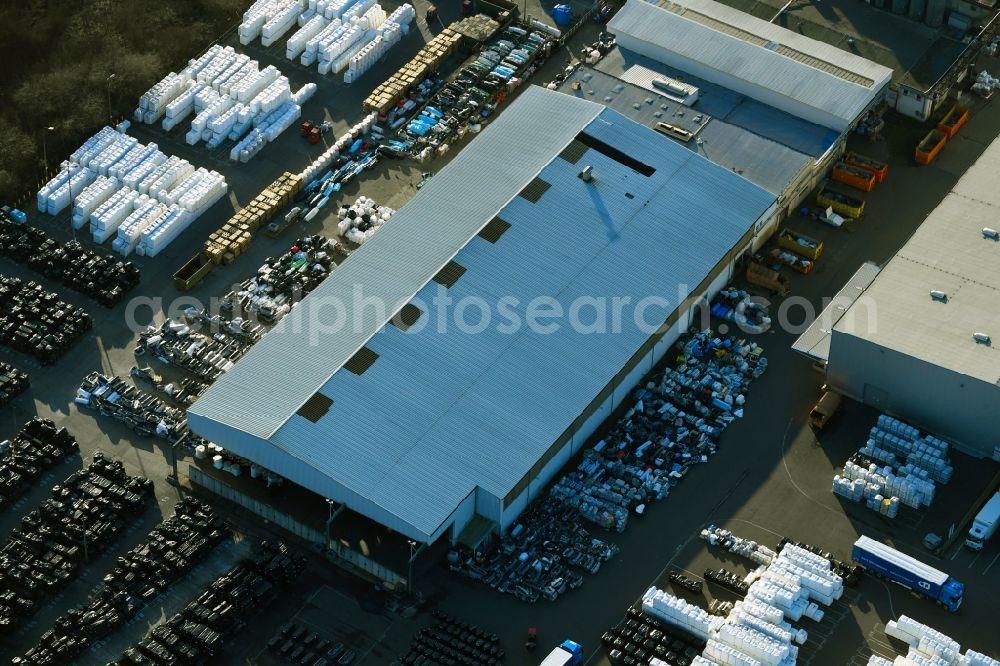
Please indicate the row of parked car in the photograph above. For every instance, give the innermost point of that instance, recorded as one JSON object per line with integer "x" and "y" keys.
{"x": 296, "y": 644}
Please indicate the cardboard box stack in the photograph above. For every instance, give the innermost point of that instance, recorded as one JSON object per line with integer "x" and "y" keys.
{"x": 233, "y": 238}
{"x": 427, "y": 60}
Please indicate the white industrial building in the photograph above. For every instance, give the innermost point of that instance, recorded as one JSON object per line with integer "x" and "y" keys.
{"x": 773, "y": 65}
{"x": 419, "y": 428}
{"x": 922, "y": 342}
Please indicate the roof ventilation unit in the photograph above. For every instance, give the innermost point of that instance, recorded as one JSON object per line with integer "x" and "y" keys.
{"x": 939, "y": 295}
{"x": 992, "y": 234}
{"x": 674, "y": 131}
{"x": 587, "y": 175}
{"x": 981, "y": 338}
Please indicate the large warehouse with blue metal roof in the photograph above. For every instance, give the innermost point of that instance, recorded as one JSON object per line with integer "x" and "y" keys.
{"x": 419, "y": 423}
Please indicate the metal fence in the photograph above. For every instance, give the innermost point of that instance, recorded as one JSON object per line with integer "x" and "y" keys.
{"x": 334, "y": 550}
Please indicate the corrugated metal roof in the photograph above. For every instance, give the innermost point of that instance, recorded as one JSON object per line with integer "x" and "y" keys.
{"x": 398, "y": 261}
{"x": 757, "y": 158}
{"x": 441, "y": 413}
{"x": 815, "y": 340}
{"x": 762, "y": 54}
{"x": 948, "y": 253}
{"x": 902, "y": 560}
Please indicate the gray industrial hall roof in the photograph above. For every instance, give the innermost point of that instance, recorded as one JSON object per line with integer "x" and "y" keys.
{"x": 814, "y": 342}
{"x": 950, "y": 253}
{"x": 763, "y": 161}
{"x": 767, "y": 56}
{"x": 441, "y": 412}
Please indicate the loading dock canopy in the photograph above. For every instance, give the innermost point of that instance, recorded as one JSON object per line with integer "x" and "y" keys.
{"x": 815, "y": 341}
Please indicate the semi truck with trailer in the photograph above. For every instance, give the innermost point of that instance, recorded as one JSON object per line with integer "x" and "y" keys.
{"x": 984, "y": 525}
{"x": 886, "y": 562}
{"x": 570, "y": 653}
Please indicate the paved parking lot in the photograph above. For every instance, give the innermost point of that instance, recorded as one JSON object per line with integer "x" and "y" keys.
{"x": 770, "y": 479}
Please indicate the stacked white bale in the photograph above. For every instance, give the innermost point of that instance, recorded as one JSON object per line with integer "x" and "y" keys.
{"x": 916, "y": 659}
{"x": 254, "y": 19}
{"x": 220, "y": 63}
{"x": 129, "y": 231}
{"x": 762, "y": 610}
{"x": 333, "y": 9}
{"x": 159, "y": 235}
{"x": 280, "y": 120}
{"x": 92, "y": 197}
{"x": 774, "y": 631}
{"x": 303, "y": 94}
{"x": 297, "y": 43}
{"x": 372, "y": 52}
{"x": 106, "y": 220}
{"x": 784, "y": 580}
{"x": 177, "y": 169}
{"x": 876, "y": 660}
{"x": 153, "y": 103}
{"x": 181, "y": 187}
{"x": 724, "y": 654}
{"x": 280, "y": 23}
{"x": 207, "y": 187}
{"x": 845, "y": 487}
{"x": 181, "y": 107}
{"x": 251, "y": 86}
{"x": 249, "y": 146}
{"x": 112, "y": 154}
{"x": 143, "y": 169}
{"x": 929, "y": 453}
{"x": 758, "y": 645}
{"x": 697, "y": 661}
{"x": 270, "y": 98}
{"x": 205, "y": 98}
{"x": 359, "y": 9}
{"x": 931, "y": 647}
{"x": 673, "y": 610}
{"x": 221, "y": 125}
{"x": 93, "y": 146}
{"x": 910, "y": 632}
{"x": 196, "y": 65}
{"x": 318, "y": 41}
{"x": 402, "y": 16}
{"x": 813, "y": 586}
{"x": 142, "y": 186}
{"x": 806, "y": 559}
{"x": 363, "y": 208}
{"x": 130, "y": 160}
{"x": 58, "y": 192}
{"x": 246, "y": 70}
{"x": 973, "y": 658}
{"x": 351, "y": 40}
{"x": 792, "y": 606}
{"x": 114, "y": 211}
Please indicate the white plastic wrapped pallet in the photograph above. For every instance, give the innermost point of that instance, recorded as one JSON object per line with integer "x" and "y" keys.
{"x": 297, "y": 42}
{"x": 106, "y": 220}
{"x": 91, "y": 198}
{"x": 93, "y": 146}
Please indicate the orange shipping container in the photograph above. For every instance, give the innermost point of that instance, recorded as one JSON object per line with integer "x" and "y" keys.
{"x": 880, "y": 169}
{"x": 930, "y": 146}
{"x": 854, "y": 176}
{"x": 953, "y": 120}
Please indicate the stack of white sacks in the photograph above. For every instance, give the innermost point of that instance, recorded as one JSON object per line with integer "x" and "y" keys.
{"x": 928, "y": 647}
{"x": 269, "y": 20}
{"x": 757, "y": 631}
{"x": 891, "y": 439}
{"x": 884, "y": 488}
{"x": 386, "y": 36}
{"x": 131, "y": 190}
{"x": 336, "y": 35}
{"x": 327, "y": 157}
{"x": 232, "y": 99}
{"x": 362, "y": 213}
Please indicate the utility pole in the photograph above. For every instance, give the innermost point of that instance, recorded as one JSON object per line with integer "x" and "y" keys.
{"x": 409, "y": 568}
{"x": 111, "y": 118}
{"x": 45, "y": 150}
